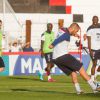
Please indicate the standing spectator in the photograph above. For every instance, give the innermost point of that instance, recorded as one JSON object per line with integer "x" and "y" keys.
{"x": 15, "y": 47}
{"x": 47, "y": 39}
{"x": 4, "y": 43}
{"x": 93, "y": 36}
{"x": 1, "y": 60}
{"x": 28, "y": 48}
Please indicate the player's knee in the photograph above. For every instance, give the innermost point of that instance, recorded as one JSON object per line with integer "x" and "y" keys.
{"x": 74, "y": 80}
{"x": 74, "y": 77}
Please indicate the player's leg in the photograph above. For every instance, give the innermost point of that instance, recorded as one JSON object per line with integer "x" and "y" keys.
{"x": 84, "y": 74}
{"x": 76, "y": 83}
{"x": 48, "y": 58}
{"x": 2, "y": 66}
{"x": 50, "y": 65}
{"x": 88, "y": 79}
{"x": 96, "y": 64}
{"x": 93, "y": 70}
{"x": 68, "y": 72}
{"x": 48, "y": 69}
{"x": 98, "y": 69}
{"x": 93, "y": 66}
{"x": 40, "y": 74}
{"x": 75, "y": 65}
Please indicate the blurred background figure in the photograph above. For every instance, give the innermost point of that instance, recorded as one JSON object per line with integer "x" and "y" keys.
{"x": 84, "y": 41}
{"x": 0, "y": 25}
{"x": 93, "y": 37}
{"x": 15, "y": 47}
{"x": 0, "y": 36}
{"x": 27, "y": 48}
{"x": 2, "y": 66}
{"x": 4, "y": 43}
{"x": 46, "y": 39}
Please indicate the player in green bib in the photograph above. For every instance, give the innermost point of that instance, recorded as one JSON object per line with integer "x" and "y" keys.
{"x": 1, "y": 60}
{"x": 46, "y": 39}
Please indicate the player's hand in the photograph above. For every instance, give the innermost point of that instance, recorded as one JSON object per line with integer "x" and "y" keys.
{"x": 51, "y": 46}
{"x": 42, "y": 54}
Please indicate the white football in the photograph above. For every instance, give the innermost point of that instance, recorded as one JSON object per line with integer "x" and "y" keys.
{"x": 98, "y": 84}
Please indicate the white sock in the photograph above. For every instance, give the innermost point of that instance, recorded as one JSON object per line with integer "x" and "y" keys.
{"x": 41, "y": 72}
{"x": 77, "y": 87}
{"x": 95, "y": 75}
{"x": 91, "y": 83}
{"x": 92, "y": 77}
{"x": 49, "y": 77}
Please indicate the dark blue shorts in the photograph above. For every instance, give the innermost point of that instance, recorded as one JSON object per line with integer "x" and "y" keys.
{"x": 48, "y": 57}
{"x": 96, "y": 54}
{"x": 68, "y": 64}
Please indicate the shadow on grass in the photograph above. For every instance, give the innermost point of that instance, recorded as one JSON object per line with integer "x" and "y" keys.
{"x": 92, "y": 95}
{"x": 27, "y": 78}
{"x": 37, "y": 79}
{"x": 37, "y": 91}
{"x": 21, "y": 90}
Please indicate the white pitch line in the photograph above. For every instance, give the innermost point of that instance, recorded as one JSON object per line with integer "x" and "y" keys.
{"x": 34, "y": 86}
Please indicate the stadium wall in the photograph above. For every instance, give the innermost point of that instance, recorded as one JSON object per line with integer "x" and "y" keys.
{"x": 84, "y": 8}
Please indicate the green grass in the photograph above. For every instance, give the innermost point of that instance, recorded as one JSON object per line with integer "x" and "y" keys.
{"x": 31, "y": 88}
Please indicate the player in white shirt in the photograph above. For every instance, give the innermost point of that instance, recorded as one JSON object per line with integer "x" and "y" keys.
{"x": 93, "y": 36}
{"x": 66, "y": 62}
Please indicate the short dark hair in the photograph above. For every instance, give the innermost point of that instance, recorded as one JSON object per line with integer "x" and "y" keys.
{"x": 75, "y": 24}
{"x": 0, "y": 21}
{"x": 49, "y": 24}
{"x": 95, "y": 17}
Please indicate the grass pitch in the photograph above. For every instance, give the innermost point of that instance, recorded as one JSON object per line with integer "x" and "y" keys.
{"x": 31, "y": 88}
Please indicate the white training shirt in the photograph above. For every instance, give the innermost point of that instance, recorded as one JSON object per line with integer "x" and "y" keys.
{"x": 94, "y": 33}
{"x": 62, "y": 47}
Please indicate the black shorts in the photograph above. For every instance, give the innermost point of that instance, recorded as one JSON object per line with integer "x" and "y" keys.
{"x": 48, "y": 57}
{"x": 68, "y": 64}
{"x": 96, "y": 54}
{"x": 1, "y": 63}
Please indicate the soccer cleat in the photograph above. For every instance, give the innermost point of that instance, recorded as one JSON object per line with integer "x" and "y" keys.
{"x": 51, "y": 80}
{"x": 80, "y": 92}
{"x": 96, "y": 90}
{"x": 97, "y": 87}
{"x": 40, "y": 76}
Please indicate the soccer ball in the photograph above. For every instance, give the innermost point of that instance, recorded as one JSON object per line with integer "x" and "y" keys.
{"x": 97, "y": 84}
